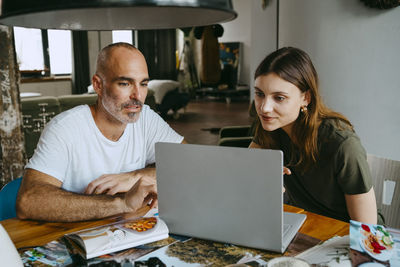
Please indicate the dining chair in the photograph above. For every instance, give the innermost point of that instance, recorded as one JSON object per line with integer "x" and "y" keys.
{"x": 8, "y": 197}
{"x": 386, "y": 180}
{"x": 235, "y": 131}
{"x": 8, "y": 253}
{"x": 235, "y": 141}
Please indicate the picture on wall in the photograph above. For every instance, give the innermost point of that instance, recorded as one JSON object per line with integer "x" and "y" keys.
{"x": 230, "y": 54}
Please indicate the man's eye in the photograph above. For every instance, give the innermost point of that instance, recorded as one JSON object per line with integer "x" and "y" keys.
{"x": 123, "y": 84}
{"x": 144, "y": 84}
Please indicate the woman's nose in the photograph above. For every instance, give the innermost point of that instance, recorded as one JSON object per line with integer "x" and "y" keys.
{"x": 266, "y": 106}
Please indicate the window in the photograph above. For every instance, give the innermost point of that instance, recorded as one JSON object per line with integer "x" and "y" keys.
{"x": 29, "y": 48}
{"x": 45, "y": 51}
{"x": 60, "y": 51}
{"x": 122, "y": 36}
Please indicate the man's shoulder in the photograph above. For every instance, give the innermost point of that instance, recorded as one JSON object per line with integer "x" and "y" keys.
{"x": 72, "y": 116}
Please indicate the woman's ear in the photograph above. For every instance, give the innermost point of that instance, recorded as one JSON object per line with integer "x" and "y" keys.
{"x": 97, "y": 84}
{"x": 307, "y": 97}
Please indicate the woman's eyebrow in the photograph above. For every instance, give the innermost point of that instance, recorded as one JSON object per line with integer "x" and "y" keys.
{"x": 275, "y": 93}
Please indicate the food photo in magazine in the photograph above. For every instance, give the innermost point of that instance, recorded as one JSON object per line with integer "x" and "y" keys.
{"x": 374, "y": 245}
{"x": 118, "y": 236}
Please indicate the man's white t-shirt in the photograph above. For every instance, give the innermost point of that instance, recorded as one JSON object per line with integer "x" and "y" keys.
{"x": 73, "y": 150}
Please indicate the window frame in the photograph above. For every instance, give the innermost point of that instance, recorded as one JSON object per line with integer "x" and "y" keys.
{"x": 37, "y": 75}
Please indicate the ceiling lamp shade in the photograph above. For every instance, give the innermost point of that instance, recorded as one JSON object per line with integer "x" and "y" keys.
{"x": 114, "y": 14}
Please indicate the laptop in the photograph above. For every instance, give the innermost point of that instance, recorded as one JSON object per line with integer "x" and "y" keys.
{"x": 226, "y": 194}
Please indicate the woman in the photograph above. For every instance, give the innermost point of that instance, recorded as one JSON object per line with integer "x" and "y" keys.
{"x": 327, "y": 171}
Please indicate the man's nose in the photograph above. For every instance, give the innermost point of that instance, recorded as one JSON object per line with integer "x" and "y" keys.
{"x": 135, "y": 93}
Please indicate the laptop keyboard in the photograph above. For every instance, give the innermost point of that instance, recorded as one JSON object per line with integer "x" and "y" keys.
{"x": 286, "y": 228}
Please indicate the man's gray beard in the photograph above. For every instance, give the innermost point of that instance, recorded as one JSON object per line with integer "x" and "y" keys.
{"x": 134, "y": 116}
{"x": 115, "y": 113}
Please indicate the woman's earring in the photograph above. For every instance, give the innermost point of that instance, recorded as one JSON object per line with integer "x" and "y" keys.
{"x": 303, "y": 109}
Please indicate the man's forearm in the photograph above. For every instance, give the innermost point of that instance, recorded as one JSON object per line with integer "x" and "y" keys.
{"x": 49, "y": 203}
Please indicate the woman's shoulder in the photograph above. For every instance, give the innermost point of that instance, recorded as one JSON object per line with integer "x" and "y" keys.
{"x": 338, "y": 138}
{"x": 335, "y": 130}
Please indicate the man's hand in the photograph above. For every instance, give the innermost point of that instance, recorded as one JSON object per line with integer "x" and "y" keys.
{"x": 139, "y": 196}
{"x": 112, "y": 184}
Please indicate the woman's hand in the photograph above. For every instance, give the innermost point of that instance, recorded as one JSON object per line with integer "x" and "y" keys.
{"x": 287, "y": 172}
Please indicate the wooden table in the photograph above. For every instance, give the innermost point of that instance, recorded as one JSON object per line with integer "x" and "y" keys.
{"x": 25, "y": 233}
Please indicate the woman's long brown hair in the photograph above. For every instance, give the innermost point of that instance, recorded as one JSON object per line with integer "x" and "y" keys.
{"x": 295, "y": 66}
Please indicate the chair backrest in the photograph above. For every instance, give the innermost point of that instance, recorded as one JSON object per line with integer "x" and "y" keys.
{"x": 235, "y": 131}
{"x": 36, "y": 112}
{"x": 8, "y": 253}
{"x": 8, "y": 197}
{"x": 235, "y": 141}
{"x": 386, "y": 179}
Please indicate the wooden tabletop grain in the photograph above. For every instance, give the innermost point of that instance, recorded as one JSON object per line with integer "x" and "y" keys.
{"x": 26, "y": 233}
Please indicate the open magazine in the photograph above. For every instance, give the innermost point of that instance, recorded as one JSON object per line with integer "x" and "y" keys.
{"x": 372, "y": 244}
{"x": 117, "y": 236}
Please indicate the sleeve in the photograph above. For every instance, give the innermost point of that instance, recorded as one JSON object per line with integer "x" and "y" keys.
{"x": 157, "y": 130}
{"x": 353, "y": 174}
{"x": 51, "y": 153}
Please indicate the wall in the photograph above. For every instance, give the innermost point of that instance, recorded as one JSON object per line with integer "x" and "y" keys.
{"x": 263, "y": 35}
{"x": 256, "y": 29}
{"x": 237, "y": 30}
{"x": 355, "y": 50}
{"x": 97, "y": 40}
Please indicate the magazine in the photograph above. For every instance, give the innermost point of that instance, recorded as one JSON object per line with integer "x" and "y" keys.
{"x": 117, "y": 236}
{"x": 199, "y": 252}
{"x": 374, "y": 244}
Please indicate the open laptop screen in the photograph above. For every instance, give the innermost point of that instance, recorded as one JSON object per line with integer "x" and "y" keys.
{"x": 226, "y": 194}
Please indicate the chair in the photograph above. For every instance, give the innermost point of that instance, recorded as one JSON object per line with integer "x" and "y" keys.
{"x": 36, "y": 113}
{"x": 8, "y": 197}
{"x": 235, "y": 131}
{"x": 70, "y": 101}
{"x": 236, "y": 141}
{"x": 386, "y": 180}
{"x": 8, "y": 253}
{"x": 239, "y": 135}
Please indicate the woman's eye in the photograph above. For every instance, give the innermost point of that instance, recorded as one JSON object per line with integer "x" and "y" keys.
{"x": 279, "y": 98}
{"x": 259, "y": 94}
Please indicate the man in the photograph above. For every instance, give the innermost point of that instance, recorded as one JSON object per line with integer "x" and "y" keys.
{"x": 91, "y": 161}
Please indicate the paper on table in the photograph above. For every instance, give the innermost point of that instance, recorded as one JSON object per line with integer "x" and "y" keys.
{"x": 333, "y": 252}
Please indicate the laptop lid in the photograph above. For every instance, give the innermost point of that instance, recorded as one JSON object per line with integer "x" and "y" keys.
{"x": 225, "y": 194}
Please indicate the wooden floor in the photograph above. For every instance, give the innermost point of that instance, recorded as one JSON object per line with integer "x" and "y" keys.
{"x": 202, "y": 119}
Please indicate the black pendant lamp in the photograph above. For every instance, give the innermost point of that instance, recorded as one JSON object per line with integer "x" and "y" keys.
{"x": 114, "y": 14}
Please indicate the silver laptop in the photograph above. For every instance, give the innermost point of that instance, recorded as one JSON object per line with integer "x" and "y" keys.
{"x": 225, "y": 194}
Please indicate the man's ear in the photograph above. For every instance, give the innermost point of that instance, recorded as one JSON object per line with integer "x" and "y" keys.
{"x": 97, "y": 83}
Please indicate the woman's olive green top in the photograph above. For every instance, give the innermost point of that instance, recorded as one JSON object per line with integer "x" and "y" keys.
{"x": 341, "y": 168}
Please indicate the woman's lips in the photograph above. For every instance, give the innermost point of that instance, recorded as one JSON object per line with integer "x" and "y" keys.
{"x": 267, "y": 118}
